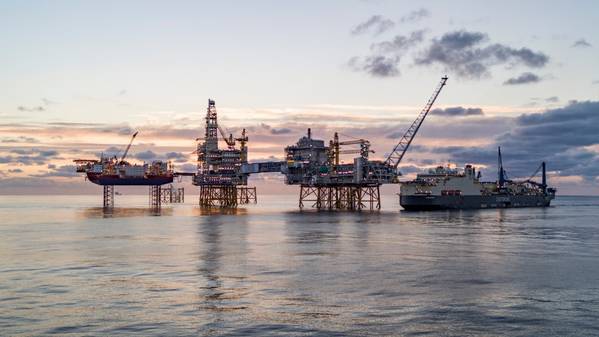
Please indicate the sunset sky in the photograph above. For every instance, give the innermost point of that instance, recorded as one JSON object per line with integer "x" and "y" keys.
{"x": 79, "y": 77}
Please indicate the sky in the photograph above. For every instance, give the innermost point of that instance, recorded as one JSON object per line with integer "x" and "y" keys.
{"x": 79, "y": 77}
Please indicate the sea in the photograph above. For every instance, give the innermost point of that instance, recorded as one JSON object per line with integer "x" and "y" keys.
{"x": 68, "y": 268}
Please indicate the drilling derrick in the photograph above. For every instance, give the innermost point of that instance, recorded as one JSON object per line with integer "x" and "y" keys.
{"x": 219, "y": 174}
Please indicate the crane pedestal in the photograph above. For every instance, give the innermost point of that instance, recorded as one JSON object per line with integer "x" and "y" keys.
{"x": 340, "y": 197}
{"x": 108, "y": 196}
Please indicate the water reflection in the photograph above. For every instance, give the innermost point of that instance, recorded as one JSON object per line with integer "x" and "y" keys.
{"x": 219, "y": 211}
{"x": 313, "y": 229}
{"x": 123, "y": 212}
{"x": 270, "y": 272}
{"x": 222, "y": 260}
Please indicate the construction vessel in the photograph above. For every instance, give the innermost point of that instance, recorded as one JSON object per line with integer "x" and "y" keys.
{"x": 445, "y": 188}
{"x": 219, "y": 174}
{"x": 112, "y": 171}
{"x": 328, "y": 184}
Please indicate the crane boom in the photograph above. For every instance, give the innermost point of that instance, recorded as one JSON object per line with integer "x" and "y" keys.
{"x": 404, "y": 143}
{"x": 229, "y": 140}
{"x": 129, "y": 146}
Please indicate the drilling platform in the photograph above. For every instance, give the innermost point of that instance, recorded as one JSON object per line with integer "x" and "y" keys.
{"x": 219, "y": 174}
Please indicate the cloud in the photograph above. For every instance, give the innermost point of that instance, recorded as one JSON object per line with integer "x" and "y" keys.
{"x": 581, "y": 43}
{"x": 457, "y": 111}
{"x": 145, "y": 155}
{"x": 377, "y": 66}
{"x": 110, "y": 151}
{"x": 28, "y": 156}
{"x": 552, "y": 99}
{"x": 524, "y": 78}
{"x": 48, "y": 102}
{"x": 30, "y": 109}
{"x": 376, "y": 24}
{"x": 187, "y": 168}
{"x": 463, "y": 53}
{"x": 177, "y": 157}
{"x": 560, "y": 136}
{"x": 20, "y": 139}
{"x": 60, "y": 171}
{"x": 399, "y": 43}
{"x": 280, "y": 131}
{"x": 386, "y": 55}
{"x": 415, "y": 16}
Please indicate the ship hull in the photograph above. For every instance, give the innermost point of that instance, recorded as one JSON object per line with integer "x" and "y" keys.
{"x": 131, "y": 181}
{"x": 432, "y": 202}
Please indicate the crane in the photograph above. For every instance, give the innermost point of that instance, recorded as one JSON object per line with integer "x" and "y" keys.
{"x": 334, "y": 150}
{"x": 129, "y": 146}
{"x": 229, "y": 140}
{"x": 404, "y": 143}
{"x": 501, "y": 173}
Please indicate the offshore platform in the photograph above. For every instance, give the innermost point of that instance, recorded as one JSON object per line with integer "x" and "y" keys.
{"x": 220, "y": 177}
{"x": 327, "y": 184}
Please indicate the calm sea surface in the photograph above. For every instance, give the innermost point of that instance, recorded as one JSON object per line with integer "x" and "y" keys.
{"x": 68, "y": 269}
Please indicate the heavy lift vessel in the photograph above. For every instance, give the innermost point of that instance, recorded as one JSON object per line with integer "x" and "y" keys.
{"x": 446, "y": 188}
{"x": 112, "y": 171}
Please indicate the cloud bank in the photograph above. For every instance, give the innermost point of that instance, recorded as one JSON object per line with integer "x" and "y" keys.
{"x": 524, "y": 78}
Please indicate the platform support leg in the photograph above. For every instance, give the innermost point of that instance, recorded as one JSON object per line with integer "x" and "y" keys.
{"x": 246, "y": 195}
{"x": 154, "y": 194}
{"x": 341, "y": 197}
{"x": 108, "y": 196}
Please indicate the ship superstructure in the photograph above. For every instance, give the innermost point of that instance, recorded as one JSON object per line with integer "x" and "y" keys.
{"x": 447, "y": 188}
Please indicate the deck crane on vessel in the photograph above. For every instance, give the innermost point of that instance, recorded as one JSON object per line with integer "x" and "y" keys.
{"x": 400, "y": 149}
{"x": 128, "y": 147}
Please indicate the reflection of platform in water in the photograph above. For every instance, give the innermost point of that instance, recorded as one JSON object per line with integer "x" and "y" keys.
{"x": 124, "y": 212}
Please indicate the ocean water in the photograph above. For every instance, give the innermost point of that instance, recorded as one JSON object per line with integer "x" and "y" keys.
{"x": 66, "y": 268}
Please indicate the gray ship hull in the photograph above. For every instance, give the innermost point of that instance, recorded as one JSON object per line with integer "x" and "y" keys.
{"x": 435, "y": 202}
